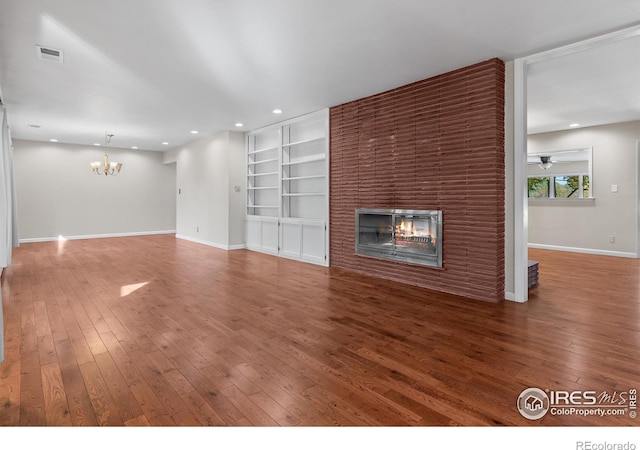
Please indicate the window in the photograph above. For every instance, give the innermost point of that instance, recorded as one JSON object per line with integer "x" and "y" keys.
{"x": 539, "y": 187}
{"x": 561, "y": 174}
{"x": 559, "y": 186}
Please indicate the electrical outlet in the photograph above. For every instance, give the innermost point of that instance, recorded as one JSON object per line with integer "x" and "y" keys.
{"x": 612, "y": 239}
{"x": 197, "y": 229}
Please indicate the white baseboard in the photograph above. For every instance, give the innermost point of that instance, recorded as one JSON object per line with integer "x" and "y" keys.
{"x": 95, "y": 236}
{"x": 211, "y": 244}
{"x": 591, "y": 251}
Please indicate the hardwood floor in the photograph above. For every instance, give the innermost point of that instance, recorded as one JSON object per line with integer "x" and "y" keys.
{"x": 158, "y": 331}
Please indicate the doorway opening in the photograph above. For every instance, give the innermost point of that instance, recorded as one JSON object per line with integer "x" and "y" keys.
{"x": 521, "y": 131}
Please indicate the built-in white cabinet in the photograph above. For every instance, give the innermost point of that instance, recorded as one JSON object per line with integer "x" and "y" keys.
{"x": 287, "y": 188}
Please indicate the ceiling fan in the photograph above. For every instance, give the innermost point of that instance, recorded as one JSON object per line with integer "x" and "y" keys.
{"x": 544, "y": 161}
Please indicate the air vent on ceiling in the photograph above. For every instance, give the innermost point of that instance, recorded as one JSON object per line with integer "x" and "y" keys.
{"x": 49, "y": 54}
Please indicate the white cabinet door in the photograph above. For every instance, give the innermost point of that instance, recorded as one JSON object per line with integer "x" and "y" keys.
{"x": 270, "y": 236}
{"x": 304, "y": 240}
{"x": 314, "y": 243}
{"x": 262, "y": 234}
{"x": 291, "y": 240}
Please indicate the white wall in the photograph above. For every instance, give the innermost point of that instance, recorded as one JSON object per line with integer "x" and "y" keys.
{"x": 509, "y": 235}
{"x": 209, "y": 210}
{"x": 58, "y": 195}
{"x": 237, "y": 179}
{"x": 586, "y": 225}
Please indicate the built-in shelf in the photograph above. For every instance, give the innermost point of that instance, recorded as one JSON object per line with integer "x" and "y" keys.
{"x": 268, "y": 149}
{"x": 308, "y": 177}
{"x": 303, "y": 194}
{"x": 304, "y": 141}
{"x": 305, "y": 160}
{"x": 263, "y": 161}
{"x": 293, "y": 155}
{"x": 264, "y": 174}
{"x": 316, "y": 223}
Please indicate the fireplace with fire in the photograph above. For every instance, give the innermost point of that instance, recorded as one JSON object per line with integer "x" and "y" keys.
{"x": 411, "y": 236}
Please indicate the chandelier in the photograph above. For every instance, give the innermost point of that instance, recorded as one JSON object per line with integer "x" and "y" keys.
{"x": 108, "y": 168}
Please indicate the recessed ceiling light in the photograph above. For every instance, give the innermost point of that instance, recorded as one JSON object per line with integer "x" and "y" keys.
{"x": 134, "y": 147}
{"x": 277, "y": 111}
{"x": 239, "y": 124}
{"x": 53, "y": 140}
{"x": 165, "y": 143}
{"x": 194, "y": 131}
{"x": 574, "y": 125}
{"x": 96, "y": 144}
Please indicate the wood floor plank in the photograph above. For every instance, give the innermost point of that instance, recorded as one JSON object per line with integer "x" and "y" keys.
{"x": 43, "y": 327}
{"x": 154, "y": 411}
{"x": 290, "y": 401}
{"x": 178, "y": 382}
{"x": 92, "y": 337}
{"x": 196, "y": 341}
{"x": 65, "y": 354}
{"x": 121, "y": 358}
{"x": 124, "y": 400}
{"x": 29, "y": 336}
{"x": 57, "y": 326}
{"x": 47, "y": 350}
{"x": 153, "y": 376}
{"x": 254, "y": 414}
{"x": 105, "y": 409}
{"x": 140, "y": 421}
{"x": 81, "y": 409}
{"x": 72, "y": 379}
{"x": 55, "y": 398}
{"x": 30, "y": 375}
{"x": 220, "y": 404}
{"x": 241, "y": 382}
{"x": 80, "y": 346}
{"x": 341, "y": 411}
{"x": 32, "y": 409}
{"x": 274, "y": 410}
{"x": 10, "y": 401}
{"x": 201, "y": 409}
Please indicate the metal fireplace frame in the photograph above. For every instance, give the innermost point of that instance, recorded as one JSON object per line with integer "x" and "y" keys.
{"x": 392, "y": 253}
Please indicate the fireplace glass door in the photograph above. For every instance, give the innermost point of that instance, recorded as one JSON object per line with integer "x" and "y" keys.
{"x": 403, "y": 235}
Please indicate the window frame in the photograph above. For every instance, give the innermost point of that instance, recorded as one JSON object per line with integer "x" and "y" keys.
{"x": 551, "y": 187}
{"x": 558, "y": 153}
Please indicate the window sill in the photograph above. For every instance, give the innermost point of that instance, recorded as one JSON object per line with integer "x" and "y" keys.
{"x": 562, "y": 201}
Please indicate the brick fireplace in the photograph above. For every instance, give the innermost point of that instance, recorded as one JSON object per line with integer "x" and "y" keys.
{"x": 437, "y": 144}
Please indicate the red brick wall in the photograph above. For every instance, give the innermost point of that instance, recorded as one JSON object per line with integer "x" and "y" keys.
{"x": 434, "y": 144}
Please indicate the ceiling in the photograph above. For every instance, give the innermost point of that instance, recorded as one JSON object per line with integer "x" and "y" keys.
{"x": 595, "y": 86}
{"x": 152, "y": 71}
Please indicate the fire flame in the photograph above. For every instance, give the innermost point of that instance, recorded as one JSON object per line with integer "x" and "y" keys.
{"x": 407, "y": 229}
